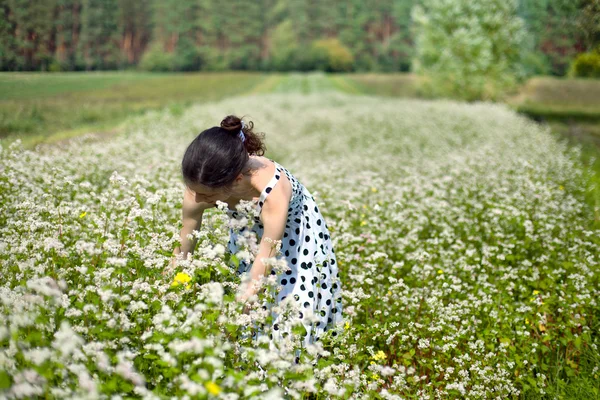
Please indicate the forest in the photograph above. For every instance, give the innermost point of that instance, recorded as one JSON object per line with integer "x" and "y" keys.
{"x": 261, "y": 35}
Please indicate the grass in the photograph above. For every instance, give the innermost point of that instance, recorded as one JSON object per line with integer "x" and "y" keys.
{"x": 390, "y": 85}
{"x": 45, "y": 108}
{"x": 551, "y": 98}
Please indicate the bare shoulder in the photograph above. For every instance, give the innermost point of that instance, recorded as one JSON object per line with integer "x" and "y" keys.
{"x": 282, "y": 191}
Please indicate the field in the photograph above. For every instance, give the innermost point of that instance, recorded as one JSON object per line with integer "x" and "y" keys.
{"x": 467, "y": 253}
{"x": 43, "y": 108}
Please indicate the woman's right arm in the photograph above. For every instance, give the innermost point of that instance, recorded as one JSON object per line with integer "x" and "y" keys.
{"x": 191, "y": 213}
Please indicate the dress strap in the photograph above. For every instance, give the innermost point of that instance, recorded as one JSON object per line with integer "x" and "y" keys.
{"x": 268, "y": 188}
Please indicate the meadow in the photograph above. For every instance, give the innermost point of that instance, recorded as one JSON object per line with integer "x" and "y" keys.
{"x": 467, "y": 255}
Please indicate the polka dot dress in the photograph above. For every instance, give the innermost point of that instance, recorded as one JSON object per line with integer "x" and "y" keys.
{"x": 313, "y": 278}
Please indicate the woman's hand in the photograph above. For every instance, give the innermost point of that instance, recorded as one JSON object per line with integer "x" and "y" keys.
{"x": 246, "y": 298}
{"x": 172, "y": 266}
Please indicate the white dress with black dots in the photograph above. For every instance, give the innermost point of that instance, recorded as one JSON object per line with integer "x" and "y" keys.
{"x": 313, "y": 277}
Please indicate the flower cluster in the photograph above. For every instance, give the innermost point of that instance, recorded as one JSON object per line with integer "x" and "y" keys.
{"x": 461, "y": 234}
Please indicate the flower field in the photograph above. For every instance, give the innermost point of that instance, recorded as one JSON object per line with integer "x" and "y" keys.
{"x": 466, "y": 260}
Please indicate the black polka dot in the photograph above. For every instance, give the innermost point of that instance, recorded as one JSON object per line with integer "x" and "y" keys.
{"x": 268, "y": 189}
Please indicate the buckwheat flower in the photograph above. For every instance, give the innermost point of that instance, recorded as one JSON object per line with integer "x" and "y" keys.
{"x": 38, "y": 355}
{"x": 214, "y": 292}
{"x": 67, "y": 341}
{"x": 125, "y": 368}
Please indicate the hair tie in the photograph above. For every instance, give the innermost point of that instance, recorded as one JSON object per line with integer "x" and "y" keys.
{"x": 242, "y": 136}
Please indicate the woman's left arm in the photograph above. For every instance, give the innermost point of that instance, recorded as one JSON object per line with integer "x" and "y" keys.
{"x": 274, "y": 216}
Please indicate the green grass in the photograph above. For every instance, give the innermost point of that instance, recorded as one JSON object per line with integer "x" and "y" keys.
{"x": 559, "y": 98}
{"x": 389, "y": 85}
{"x": 42, "y": 108}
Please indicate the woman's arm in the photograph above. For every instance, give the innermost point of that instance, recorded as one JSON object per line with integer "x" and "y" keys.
{"x": 191, "y": 214}
{"x": 274, "y": 217}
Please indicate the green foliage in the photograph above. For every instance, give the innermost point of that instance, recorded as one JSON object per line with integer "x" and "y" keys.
{"x": 156, "y": 59}
{"x": 285, "y": 47}
{"x": 469, "y": 50}
{"x": 330, "y": 55}
{"x": 187, "y": 57}
{"x": 555, "y": 31}
{"x": 586, "y": 65}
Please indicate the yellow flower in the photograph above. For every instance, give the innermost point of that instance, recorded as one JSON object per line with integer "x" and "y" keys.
{"x": 362, "y": 223}
{"x": 375, "y": 377}
{"x": 212, "y": 388}
{"x": 347, "y": 326}
{"x": 372, "y": 363}
{"x": 364, "y": 206}
{"x": 440, "y": 271}
{"x": 561, "y": 187}
{"x": 379, "y": 356}
{"x": 83, "y": 214}
{"x": 389, "y": 292}
{"x": 527, "y": 321}
{"x": 180, "y": 279}
{"x": 373, "y": 189}
{"x": 536, "y": 292}
{"x": 542, "y": 328}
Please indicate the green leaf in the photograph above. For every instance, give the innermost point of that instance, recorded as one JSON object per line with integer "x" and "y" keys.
{"x": 4, "y": 380}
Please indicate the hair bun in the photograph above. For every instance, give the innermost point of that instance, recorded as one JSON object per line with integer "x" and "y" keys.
{"x": 231, "y": 123}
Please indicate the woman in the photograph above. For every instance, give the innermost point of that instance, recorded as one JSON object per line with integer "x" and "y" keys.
{"x": 226, "y": 163}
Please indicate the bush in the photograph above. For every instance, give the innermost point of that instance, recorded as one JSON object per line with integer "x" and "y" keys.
{"x": 330, "y": 55}
{"x": 586, "y": 65}
{"x": 156, "y": 59}
{"x": 187, "y": 57}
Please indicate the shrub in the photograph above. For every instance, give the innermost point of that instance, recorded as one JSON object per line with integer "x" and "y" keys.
{"x": 586, "y": 65}
{"x": 330, "y": 55}
{"x": 156, "y": 59}
{"x": 187, "y": 57}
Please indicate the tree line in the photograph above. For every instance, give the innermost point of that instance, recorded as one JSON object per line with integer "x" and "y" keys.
{"x": 264, "y": 35}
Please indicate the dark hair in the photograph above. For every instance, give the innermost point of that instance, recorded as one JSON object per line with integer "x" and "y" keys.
{"x": 218, "y": 154}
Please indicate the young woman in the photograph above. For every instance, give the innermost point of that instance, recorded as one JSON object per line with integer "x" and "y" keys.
{"x": 225, "y": 163}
